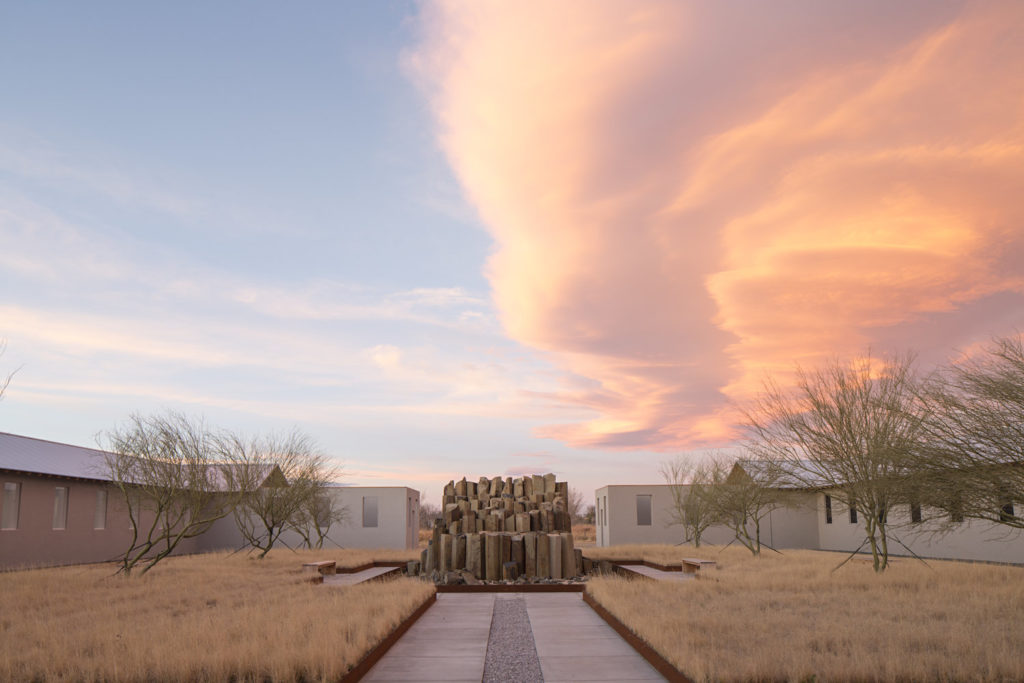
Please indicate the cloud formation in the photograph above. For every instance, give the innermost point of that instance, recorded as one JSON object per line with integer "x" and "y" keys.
{"x": 686, "y": 196}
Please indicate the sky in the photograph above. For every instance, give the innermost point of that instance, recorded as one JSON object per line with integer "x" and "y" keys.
{"x": 481, "y": 238}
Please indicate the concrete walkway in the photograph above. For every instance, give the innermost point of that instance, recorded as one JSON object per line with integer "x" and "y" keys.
{"x": 658, "y": 574}
{"x": 449, "y": 642}
{"x": 574, "y": 644}
{"x": 356, "y": 577}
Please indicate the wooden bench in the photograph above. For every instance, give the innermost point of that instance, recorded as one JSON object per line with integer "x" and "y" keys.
{"x": 314, "y": 571}
{"x": 692, "y": 565}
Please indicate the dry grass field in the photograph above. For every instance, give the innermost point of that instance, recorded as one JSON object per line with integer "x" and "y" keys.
{"x": 584, "y": 535}
{"x": 788, "y": 617}
{"x": 201, "y": 618}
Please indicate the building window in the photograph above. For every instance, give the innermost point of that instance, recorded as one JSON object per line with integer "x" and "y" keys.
{"x": 643, "y": 510}
{"x": 828, "y": 509}
{"x": 99, "y": 519}
{"x": 12, "y": 502}
{"x": 1006, "y": 513}
{"x": 60, "y": 508}
{"x": 369, "y": 511}
{"x": 915, "y": 513}
{"x": 853, "y": 515}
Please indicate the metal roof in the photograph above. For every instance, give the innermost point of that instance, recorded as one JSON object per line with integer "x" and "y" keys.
{"x": 37, "y": 456}
{"x": 25, "y": 454}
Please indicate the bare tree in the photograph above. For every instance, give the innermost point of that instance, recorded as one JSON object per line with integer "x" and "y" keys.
{"x": 281, "y": 475}
{"x": 974, "y": 464}
{"x": 575, "y": 506}
{"x": 5, "y": 381}
{"x": 852, "y": 429}
{"x": 428, "y": 513}
{"x": 174, "y": 480}
{"x": 315, "y": 516}
{"x": 692, "y": 506}
{"x": 742, "y": 493}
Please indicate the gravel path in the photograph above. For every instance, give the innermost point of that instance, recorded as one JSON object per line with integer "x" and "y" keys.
{"x": 511, "y": 652}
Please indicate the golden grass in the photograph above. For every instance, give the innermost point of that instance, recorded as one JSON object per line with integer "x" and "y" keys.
{"x": 584, "y": 534}
{"x": 203, "y": 618}
{"x": 659, "y": 554}
{"x": 787, "y": 617}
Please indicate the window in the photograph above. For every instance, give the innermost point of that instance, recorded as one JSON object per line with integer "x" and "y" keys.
{"x": 60, "y": 508}
{"x": 853, "y": 515}
{"x": 12, "y": 501}
{"x": 99, "y": 519}
{"x": 915, "y": 513}
{"x": 369, "y": 511}
{"x": 643, "y": 510}
{"x": 828, "y": 509}
{"x": 1006, "y": 513}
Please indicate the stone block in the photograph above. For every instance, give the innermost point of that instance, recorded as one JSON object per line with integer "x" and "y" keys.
{"x": 518, "y": 554}
{"x": 522, "y": 523}
{"x": 455, "y": 527}
{"x": 497, "y": 486}
{"x": 555, "y": 559}
{"x": 449, "y": 488}
{"x": 519, "y": 507}
{"x": 491, "y": 523}
{"x": 460, "y": 487}
{"x": 509, "y": 571}
{"x": 510, "y": 524}
{"x": 492, "y": 544}
{"x": 530, "y": 554}
{"x": 535, "y": 520}
{"x": 562, "y": 489}
{"x": 469, "y": 522}
{"x": 568, "y": 556}
{"x": 474, "y": 555}
{"x": 424, "y": 559}
{"x": 459, "y": 552}
{"x": 508, "y": 485}
{"x": 517, "y": 487}
{"x": 444, "y": 554}
{"x": 543, "y": 557}
{"x": 527, "y": 487}
{"x": 412, "y": 568}
{"x": 580, "y": 569}
{"x": 506, "y": 548}
{"x": 549, "y": 484}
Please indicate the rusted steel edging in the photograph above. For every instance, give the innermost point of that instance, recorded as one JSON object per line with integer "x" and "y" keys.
{"x": 646, "y": 563}
{"x": 368, "y": 565}
{"x": 362, "y": 668}
{"x": 660, "y": 664}
{"x": 512, "y": 588}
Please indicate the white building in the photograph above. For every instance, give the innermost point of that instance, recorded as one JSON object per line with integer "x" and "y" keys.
{"x": 644, "y": 514}
{"x": 376, "y": 517}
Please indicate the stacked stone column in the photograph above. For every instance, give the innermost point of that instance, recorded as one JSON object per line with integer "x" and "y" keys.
{"x": 504, "y": 529}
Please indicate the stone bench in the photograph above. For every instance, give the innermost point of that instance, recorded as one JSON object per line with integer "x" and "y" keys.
{"x": 692, "y": 565}
{"x": 315, "y": 571}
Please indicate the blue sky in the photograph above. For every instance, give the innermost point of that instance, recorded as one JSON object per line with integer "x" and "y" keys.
{"x": 239, "y": 210}
{"x": 495, "y": 237}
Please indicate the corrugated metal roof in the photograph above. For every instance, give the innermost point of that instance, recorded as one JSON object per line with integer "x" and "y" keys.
{"x": 25, "y": 454}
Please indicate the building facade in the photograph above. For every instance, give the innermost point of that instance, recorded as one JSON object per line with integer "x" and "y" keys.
{"x": 59, "y": 508}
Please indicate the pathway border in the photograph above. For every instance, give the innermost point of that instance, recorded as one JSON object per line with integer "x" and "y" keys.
{"x": 373, "y": 656}
{"x": 660, "y": 664}
{"x": 512, "y": 588}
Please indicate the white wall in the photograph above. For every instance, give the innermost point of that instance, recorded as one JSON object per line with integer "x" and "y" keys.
{"x": 969, "y": 540}
{"x": 783, "y": 528}
{"x": 397, "y": 522}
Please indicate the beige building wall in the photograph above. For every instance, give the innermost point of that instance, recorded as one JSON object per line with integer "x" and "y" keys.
{"x": 969, "y": 540}
{"x": 395, "y": 525}
{"x": 619, "y": 519}
{"x": 35, "y": 542}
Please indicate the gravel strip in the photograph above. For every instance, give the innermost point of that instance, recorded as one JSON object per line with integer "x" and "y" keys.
{"x": 511, "y": 652}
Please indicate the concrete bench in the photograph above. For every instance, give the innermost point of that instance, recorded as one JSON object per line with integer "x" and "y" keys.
{"x": 314, "y": 571}
{"x": 692, "y": 565}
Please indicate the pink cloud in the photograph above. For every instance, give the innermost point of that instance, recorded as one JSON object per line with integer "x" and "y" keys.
{"x": 685, "y": 196}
